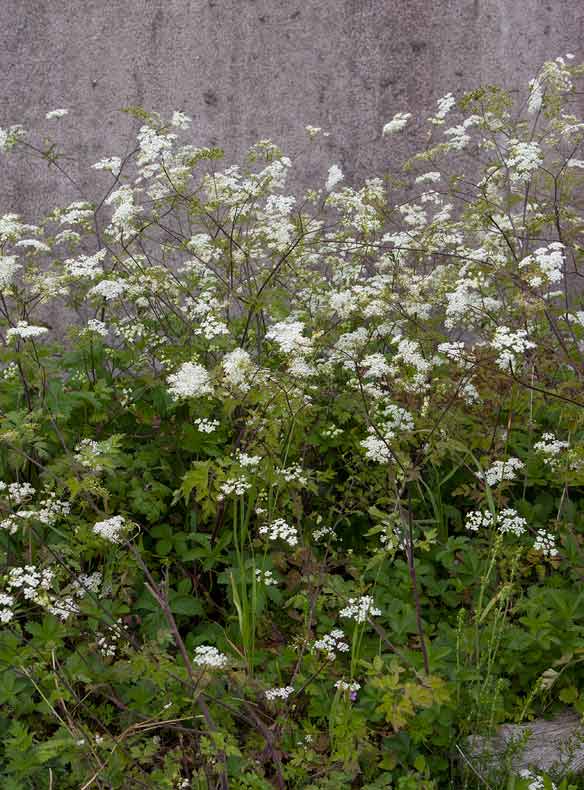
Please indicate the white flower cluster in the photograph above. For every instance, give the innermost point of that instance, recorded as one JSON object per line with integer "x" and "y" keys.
{"x": 60, "y": 113}
{"x": 248, "y": 461}
{"x": 206, "y": 426}
{"x": 524, "y": 159}
{"x": 360, "y": 609}
{"x": 94, "y": 325}
{"x": 25, "y": 331}
{"x": 282, "y": 692}
{"x": 109, "y": 289}
{"x": 9, "y": 266}
{"x": 352, "y": 686}
{"x": 288, "y": 336}
{"x": 476, "y": 520}
{"x": 501, "y": 470}
{"x": 33, "y": 583}
{"x": 111, "y": 528}
{"x": 86, "y": 265}
{"x": 323, "y": 532}
{"x": 510, "y": 522}
{"x": 293, "y": 474}
{"x": 548, "y": 263}
{"x": 79, "y": 211}
{"x": 445, "y": 104}
{"x": 108, "y": 643}
{"x": 209, "y": 657}
{"x": 113, "y": 165}
{"x": 377, "y": 448}
{"x": 332, "y": 643}
{"x": 546, "y": 543}
{"x": 190, "y": 381}
{"x": 550, "y": 448}
{"x": 237, "y": 486}
{"x": 266, "y": 578}
{"x": 17, "y": 492}
{"x": 48, "y": 511}
{"x": 6, "y": 607}
{"x": 180, "y": 120}
{"x": 33, "y": 244}
{"x": 87, "y": 453}
{"x": 535, "y": 782}
{"x": 238, "y": 369}
{"x": 335, "y": 176}
{"x": 280, "y": 530}
{"x": 126, "y": 210}
{"x": 10, "y": 136}
{"x": 397, "y": 123}
{"x": 510, "y": 344}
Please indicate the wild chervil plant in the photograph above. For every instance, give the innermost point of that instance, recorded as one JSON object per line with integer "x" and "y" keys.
{"x": 295, "y": 501}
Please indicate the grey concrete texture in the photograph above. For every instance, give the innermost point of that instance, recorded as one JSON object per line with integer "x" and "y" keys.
{"x": 251, "y": 69}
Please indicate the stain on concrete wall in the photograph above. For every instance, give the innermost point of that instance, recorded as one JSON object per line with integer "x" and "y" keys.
{"x": 251, "y": 69}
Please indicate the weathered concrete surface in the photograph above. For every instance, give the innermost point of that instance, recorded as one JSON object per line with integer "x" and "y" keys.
{"x": 250, "y": 69}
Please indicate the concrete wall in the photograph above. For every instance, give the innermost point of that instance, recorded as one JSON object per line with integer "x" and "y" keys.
{"x": 249, "y": 69}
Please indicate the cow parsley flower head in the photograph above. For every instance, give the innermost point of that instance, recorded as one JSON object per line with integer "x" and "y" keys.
{"x": 266, "y": 578}
{"x": 510, "y": 344}
{"x": 501, "y": 470}
{"x": 190, "y": 381}
{"x": 279, "y": 693}
{"x": 9, "y": 266}
{"x": 288, "y": 336}
{"x": 111, "y": 528}
{"x": 10, "y": 137}
{"x": 279, "y": 529}
{"x": 335, "y": 176}
{"x": 209, "y": 657}
{"x": 238, "y": 368}
{"x": 60, "y": 113}
{"x": 397, "y": 123}
{"x": 113, "y": 165}
{"x": 25, "y": 331}
{"x": 206, "y": 426}
{"x": 510, "y": 522}
{"x": 550, "y": 447}
{"x": 535, "y": 782}
{"x": 109, "y": 289}
{"x": 360, "y": 609}
{"x": 180, "y": 121}
{"x": 476, "y": 520}
{"x": 524, "y": 159}
{"x": 546, "y": 543}
{"x": 332, "y": 643}
{"x": 377, "y": 449}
